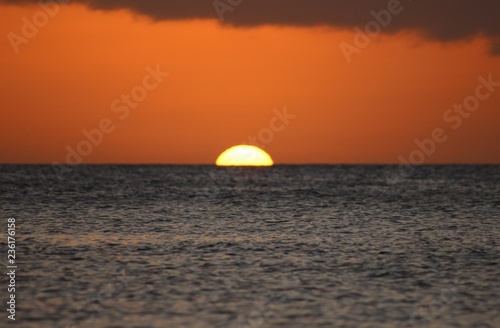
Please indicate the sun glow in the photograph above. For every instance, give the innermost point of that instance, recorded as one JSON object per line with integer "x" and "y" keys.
{"x": 244, "y": 155}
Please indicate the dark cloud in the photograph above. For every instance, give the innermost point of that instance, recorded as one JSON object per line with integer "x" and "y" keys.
{"x": 442, "y": 20}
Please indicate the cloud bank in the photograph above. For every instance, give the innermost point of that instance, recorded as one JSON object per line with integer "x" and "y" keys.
{"x": 442, "y": 20}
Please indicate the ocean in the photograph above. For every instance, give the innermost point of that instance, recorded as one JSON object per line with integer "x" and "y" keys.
{"x": 283, "y": 246}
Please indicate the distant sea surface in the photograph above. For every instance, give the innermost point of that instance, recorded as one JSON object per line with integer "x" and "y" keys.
{"x": 283, "y": 246}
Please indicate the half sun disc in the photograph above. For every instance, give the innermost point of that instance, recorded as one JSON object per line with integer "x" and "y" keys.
{"x": 244, "y": 155}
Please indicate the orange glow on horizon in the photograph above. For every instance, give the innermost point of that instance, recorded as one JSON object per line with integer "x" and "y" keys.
{"x": 222, "y": 86}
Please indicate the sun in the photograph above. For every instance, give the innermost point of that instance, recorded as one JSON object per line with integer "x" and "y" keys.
{"x": 244, "y": 155}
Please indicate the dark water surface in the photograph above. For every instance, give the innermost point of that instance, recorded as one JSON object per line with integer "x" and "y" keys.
{"x": 287, "y": 246}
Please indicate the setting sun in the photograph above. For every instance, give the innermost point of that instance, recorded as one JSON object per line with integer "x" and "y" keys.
{"x": 244, "y": 155}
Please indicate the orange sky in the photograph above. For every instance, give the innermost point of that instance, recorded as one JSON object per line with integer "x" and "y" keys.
{"x": 223, "y": 85}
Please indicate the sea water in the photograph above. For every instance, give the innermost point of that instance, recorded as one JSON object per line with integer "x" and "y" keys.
{"x": 282, "y": 246}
